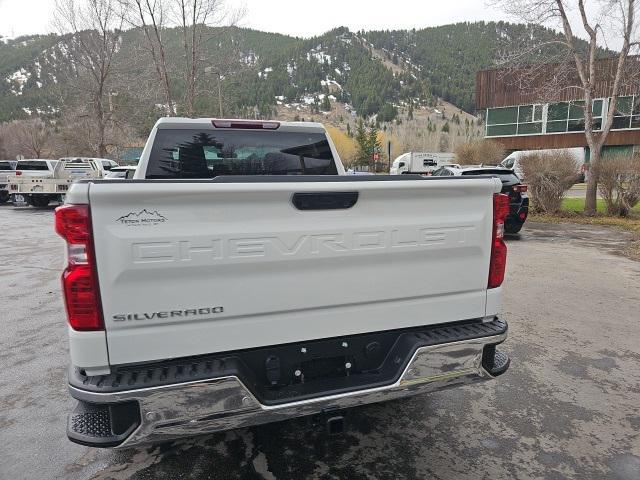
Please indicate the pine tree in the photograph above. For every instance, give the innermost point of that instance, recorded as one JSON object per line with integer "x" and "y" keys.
{"x": 362, "y": 143}
{"x": 326, "y": 105}
{"x": 410, "y": 114}
{"x": 444, "y": 143}
{"x": 374, "y": 142}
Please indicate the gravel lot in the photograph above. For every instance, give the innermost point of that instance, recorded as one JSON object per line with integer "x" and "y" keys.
{"x": 569, "y": 407}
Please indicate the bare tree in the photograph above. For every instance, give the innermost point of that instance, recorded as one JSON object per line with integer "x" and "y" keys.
{"x": 33, "y": 137}
{"x": 602, "y": 21}
{"x": 150, "y": 16}
{"x": 3, "y": 145}
{"x": 95, "y": 26}
{"x": 28, "y": 138}
{"x": 195, "y": 22}
{"x": 195, "y": 19}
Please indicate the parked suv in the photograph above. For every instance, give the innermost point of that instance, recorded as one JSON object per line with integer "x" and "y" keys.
{"x": 511, "y": 185}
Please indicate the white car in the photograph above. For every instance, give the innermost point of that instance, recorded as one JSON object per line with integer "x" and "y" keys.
{"x": 242, "y": 278}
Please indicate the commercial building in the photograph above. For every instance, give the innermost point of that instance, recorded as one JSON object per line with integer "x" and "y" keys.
{"x": 519, "y": 115}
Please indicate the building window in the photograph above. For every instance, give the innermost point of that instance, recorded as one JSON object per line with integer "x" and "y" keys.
{"x": 501, "y": 116}
{"x": 529, "y": 119}
{"x": 635, "y": 119}
{"x": 561, "y": 117}
{"x": 558, "y": 112}
{"x": 569, "y": 116}
{"x": 521, "y": 120}
{"x": 576, "y": 121}
{"x": 622, "y": 114}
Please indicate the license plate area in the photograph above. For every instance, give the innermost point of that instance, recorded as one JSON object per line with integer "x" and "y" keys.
{"x": 324, "y": 368}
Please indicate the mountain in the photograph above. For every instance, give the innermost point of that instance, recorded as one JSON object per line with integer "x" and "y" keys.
{"x": 371, "y": 72}
{"x": 417, "y": 85}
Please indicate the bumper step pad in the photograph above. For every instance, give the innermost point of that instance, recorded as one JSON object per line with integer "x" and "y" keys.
{"x": 102, "y": 425}
{"x": 494, "y": 361}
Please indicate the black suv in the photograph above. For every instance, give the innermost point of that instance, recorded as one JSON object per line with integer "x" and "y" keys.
{"x": 511, "y": 185}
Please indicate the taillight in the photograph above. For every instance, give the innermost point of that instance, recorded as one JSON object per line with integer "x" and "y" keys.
{"x": 79, "y": 280}
{"x": 520, "y": 188}
{"x": 18, "y": 173}
{"x": 247, "y": 125}
{"x": 498, "y": 247}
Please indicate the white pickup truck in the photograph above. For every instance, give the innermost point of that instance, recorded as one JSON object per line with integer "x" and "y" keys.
{"x": 7, "y": 169}
{"x": 38, "y": 182}
{"x": 241, "y": 278}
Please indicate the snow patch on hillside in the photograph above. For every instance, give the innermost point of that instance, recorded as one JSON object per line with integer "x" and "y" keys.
{"x": 330, "y": 83}
{"x": 320, "y": 56}
{"x": 18, "y": 80}
{"x": 265, "y": 73}
{"x": 249, "y": 58}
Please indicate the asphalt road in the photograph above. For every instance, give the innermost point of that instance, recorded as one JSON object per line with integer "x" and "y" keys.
{"x": 578, "y": 191}
{"x": 569, "y": 407}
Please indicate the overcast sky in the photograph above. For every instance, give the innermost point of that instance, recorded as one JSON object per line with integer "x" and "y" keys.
{"x": 294, "y": 17}
{"x": 306, "y": 18}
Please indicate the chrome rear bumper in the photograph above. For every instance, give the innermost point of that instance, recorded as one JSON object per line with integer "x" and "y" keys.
{"x": 205, "y": 406}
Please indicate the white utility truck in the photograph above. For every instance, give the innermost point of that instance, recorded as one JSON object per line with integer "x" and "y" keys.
{"x": 7, "y": 168}
{"x": 241, "y": 278}
{"x": 421, "y": 163}
{"x": 38, "y": 182}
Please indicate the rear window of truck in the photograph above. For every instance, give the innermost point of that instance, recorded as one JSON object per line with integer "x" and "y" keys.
{"x": 183, "y": 153}
{"x": 32, "y": 166}
{"x": 5, "y": 166}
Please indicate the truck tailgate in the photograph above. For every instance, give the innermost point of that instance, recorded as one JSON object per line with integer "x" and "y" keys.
{"x": 188, "y": 268}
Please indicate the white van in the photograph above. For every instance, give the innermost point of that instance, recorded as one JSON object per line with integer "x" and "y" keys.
{"x": 513, "y": 160}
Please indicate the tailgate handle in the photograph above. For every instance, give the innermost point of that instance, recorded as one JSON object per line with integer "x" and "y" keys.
{"x": 325, "y": 200}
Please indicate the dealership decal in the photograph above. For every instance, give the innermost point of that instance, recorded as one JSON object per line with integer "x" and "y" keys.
{"x": 143, "y": 217}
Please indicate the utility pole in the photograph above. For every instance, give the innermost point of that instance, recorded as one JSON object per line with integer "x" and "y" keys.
{"x": 220, "y": 95}
{"x": 210, "y": 70}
